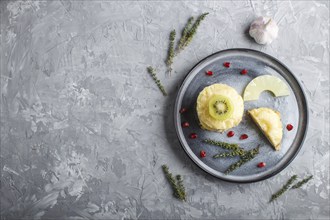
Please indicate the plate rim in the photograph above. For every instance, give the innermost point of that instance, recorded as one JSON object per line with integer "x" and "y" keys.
{"x": 305, "y": 103}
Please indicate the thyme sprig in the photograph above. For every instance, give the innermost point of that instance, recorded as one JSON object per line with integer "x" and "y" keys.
{"x": 176, "y": 184}
{"x": 283, "y": 189}
{"x": 170, "y": 53}
{"x": 236, "y": 150}
{"x": 302, "y": 182}
{"x": 182, "y": 190}
{"x": 187, "y": 35}
{"x": 237, "y": 165}
{"x": 223, "y": 145}
{"x": 185, "y": 31}
{"x": 230, "y": 154}
{"x": 152, "y": 73}
{"x": 249, "y": 155}
{"x": 192, "y": 31}
{"x": 254, "y": 151}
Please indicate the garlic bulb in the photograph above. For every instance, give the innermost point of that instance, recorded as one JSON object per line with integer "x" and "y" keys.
{"x": 264, "y": 30}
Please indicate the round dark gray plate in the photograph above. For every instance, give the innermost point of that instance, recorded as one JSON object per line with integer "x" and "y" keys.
{"x": 293, "y": 109}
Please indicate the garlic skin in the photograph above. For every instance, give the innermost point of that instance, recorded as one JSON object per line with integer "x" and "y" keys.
{"x": 264, "y": 30}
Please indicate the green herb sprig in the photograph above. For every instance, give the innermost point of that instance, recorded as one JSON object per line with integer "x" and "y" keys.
{"x": 249, "y": 155}
{"x": 236, "y": 150}
{"x": 188, "y": 34}
{"x": 176, "y": 184}
{"x": 223, "y": 145}
{"x": 181, "y": 188}
{"x": 302, "y": 182}
{"x": 170, "y": 53}
{"x": 283, "y": 189}
{"x": 254, "y": 151}
{"x": 152, "y": 73}
{"x": 185, "y": 31}
{"x": 229, "y": 154}
{"x": 237, "y": 165}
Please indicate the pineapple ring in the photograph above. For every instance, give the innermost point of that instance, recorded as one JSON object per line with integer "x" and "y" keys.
{"x": 206, "y": 120}
{"x": 265, "y": 83}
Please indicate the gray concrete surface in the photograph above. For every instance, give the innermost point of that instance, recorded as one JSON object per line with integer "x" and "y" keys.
{"x": 84, "y": 130}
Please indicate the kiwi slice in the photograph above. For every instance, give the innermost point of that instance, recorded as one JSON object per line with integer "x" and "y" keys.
{"x": 220, "y": 107}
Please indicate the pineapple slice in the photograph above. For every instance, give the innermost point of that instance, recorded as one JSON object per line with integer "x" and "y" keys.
{"x": 269, "y": 122}
{"x": 263, "y": 83}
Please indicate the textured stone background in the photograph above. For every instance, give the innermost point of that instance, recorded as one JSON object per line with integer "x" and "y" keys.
{"x": 84, "y": 129}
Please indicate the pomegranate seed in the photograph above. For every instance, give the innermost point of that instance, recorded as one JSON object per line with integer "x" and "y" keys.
{"x": 289, "y": 127}
{"x": 226, "y": 64}
{"x": 193, "y": 135}
{"x": 183, "y": 110}
{"x": 261, "y": 164}
{"x": 209, "y": 73}
{"x": 244, "y": 72}
{"x": 202, "y": 153}
{"x": 243, "y": 137}
{"x": 230, "y": 133}
{"x": 185, "y": 124}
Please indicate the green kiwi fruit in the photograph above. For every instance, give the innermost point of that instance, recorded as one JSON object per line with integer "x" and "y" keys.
{"x": 220, "y": 107}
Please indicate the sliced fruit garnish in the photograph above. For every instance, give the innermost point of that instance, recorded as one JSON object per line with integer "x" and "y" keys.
{"x": 269, "y": 122}
{"x": 220, "y": 107}
{"x": 265, "y": 83}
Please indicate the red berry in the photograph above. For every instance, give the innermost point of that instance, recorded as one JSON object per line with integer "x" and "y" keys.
{"x": 209, "y": 73}
{"x": 193, "y": 135}
{"x": 244, "y": 72}
{"x": 185, "y": 124}
{"x": 183, "y": 110}
{"x": 243, "y": 137}
{"x": 289, "y": 127}
{"x": 202, "y": 153}
{"x": 230, "y": 133}
{"x": 226, "y": 64}
{"x": 261, "y": 164}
